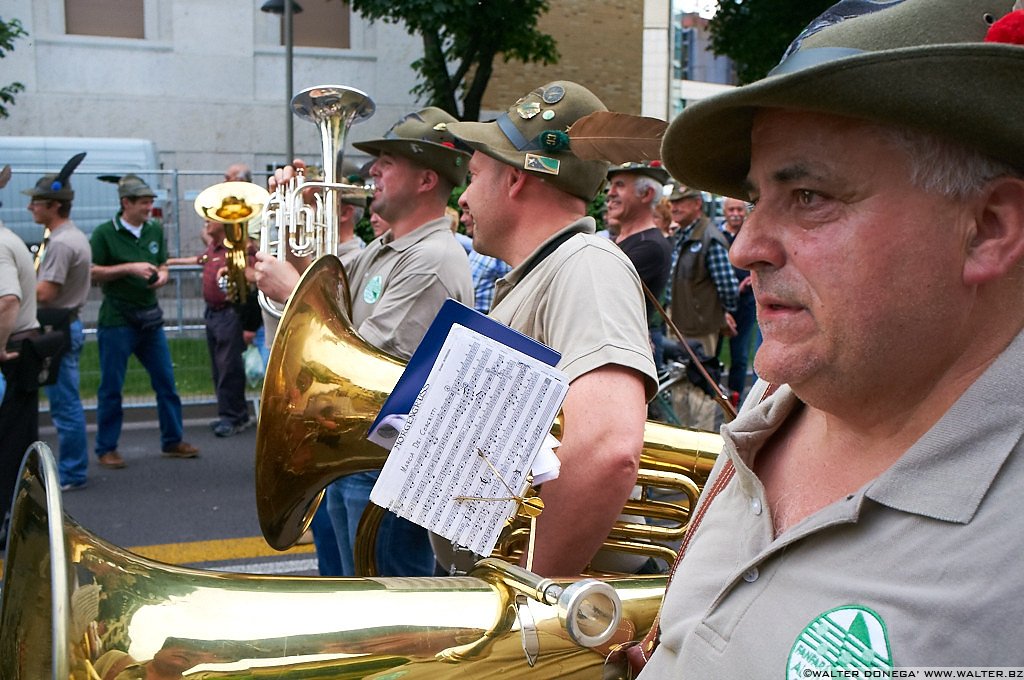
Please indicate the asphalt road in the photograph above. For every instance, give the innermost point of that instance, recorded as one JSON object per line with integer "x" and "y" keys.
{"x": 199, "y": 512}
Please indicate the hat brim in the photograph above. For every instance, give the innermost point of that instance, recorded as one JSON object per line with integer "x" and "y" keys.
{"x": 587, "y": 176}
{"x": 487, "y": 138}
{"x": 451, "y": 169}
{"x": 968, "y": 93}
{"x": 659, "y": 175}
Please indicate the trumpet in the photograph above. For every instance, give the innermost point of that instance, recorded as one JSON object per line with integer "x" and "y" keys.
{"x": 233, "y": 204}
{"x": 292, "y": 227}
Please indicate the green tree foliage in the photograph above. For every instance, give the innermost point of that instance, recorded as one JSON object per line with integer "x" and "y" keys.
{"x": 9, "y": 32}
{"x": 461, "y": 40}
{"x": 756, "y": 33}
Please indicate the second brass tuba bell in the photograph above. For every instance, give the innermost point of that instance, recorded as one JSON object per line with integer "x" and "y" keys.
{"x": 324, "y": 386}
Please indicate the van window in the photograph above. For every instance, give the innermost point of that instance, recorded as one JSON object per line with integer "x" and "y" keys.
{"x": 114, "y": 18}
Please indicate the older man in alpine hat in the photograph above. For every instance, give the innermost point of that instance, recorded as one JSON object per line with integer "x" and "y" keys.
{"x": 864, "y": 515}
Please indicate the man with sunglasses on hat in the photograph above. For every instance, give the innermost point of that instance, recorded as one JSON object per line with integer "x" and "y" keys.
{"x": 573, "y": 291}
{"x": 864, "y": 515}
{"x": 397, "y": 285}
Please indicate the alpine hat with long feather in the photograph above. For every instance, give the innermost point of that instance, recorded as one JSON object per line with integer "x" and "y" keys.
{"x": 920, "y": 64}
{"x": 56, "y": 187}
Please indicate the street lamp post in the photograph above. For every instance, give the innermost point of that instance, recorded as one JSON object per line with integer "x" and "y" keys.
{"x": 281, "y": 7}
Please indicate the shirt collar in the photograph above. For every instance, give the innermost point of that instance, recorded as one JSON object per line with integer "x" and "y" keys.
{"x": 416, "y": 235}
{"x": 584, "y": 225}
{"x": 946, "y": 474}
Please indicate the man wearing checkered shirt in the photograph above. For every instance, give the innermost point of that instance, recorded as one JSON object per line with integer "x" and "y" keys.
{"x": 703, "y": 292}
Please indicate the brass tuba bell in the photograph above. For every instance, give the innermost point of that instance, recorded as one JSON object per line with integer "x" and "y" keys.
{"x": 76, "y": 607}
{"x": 234, "y": 204}
{"x": 324, "y": 386}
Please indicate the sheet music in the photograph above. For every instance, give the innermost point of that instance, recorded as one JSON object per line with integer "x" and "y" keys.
{"x": 481, "y": 397}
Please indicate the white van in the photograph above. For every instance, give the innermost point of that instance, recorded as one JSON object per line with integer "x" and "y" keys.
{"x": 95, "y": 201}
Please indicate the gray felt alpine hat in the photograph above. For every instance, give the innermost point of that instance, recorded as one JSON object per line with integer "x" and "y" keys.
{"x": 422, "y": 137}
{"x": 945, "y": 67}
{"x": 532, "y": 135}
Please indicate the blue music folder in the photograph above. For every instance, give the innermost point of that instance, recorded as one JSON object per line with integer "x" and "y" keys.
{"x": 418, "y": 370}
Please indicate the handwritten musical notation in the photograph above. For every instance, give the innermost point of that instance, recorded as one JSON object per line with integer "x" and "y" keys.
{"x": 460, "y": 464}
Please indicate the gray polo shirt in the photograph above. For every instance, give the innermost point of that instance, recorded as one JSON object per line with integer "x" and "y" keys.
{"x": 398, "y": 285}
{"x": 583, "y": 300}
{"x": 920, "y": 567}
{"x": 67, "y": 262}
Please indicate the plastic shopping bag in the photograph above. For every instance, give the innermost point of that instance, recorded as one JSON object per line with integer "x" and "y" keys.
{"x": 253, "y": 366}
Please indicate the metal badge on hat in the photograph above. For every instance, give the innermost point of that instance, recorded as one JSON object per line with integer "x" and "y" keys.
{"x": 527, "y": 110}
{"x": 553, "y": 94}
{"x": 543, "y": 164}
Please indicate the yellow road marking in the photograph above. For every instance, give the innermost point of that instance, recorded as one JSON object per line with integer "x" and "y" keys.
{"x": 220, "y": 550}
{"x": 215, "y": 551}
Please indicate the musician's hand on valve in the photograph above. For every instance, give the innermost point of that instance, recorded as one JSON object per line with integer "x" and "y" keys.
{"x": 275, "y": 278}
{"x": 283, "y": 175}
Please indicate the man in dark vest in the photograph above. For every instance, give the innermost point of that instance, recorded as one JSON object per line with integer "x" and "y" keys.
{"x": 702, "y": 295}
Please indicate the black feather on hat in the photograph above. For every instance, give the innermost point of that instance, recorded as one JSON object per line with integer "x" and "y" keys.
{"x": 57, "y": 187}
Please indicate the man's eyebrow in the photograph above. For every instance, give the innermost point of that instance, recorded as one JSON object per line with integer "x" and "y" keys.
{"x": 786, "y": 175}
{"x": 792, "y": 173}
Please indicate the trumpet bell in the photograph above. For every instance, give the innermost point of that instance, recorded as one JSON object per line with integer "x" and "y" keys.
{"x": 231, "y": 202}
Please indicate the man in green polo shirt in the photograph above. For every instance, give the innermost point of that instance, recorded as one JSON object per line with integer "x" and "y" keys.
{"x": 130, "y": 261}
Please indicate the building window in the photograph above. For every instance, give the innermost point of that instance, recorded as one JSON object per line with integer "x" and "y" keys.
{"x": 113, "y": 18}
{"x": 321, "y": 23}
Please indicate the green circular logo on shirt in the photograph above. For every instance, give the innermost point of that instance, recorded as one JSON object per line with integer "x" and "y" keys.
{"x": 153, "y": 247}
{"x": 849, "y": 637}
{"x": 372, "y": 291}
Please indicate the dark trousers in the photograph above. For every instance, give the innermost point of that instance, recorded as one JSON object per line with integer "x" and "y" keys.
{"x": 225, "y": 342}
{"x": 19, "y": 426}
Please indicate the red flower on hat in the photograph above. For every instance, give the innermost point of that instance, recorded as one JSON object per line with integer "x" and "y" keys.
{"x": 448, "y": 144}
{"x": 655, "y": 163}
{"x": 1009, "y": 29}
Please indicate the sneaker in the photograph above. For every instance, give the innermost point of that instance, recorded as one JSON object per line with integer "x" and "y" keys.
{"x": 226, "y": 429}
{"x": 74, "y": 486}
{"x": 181, "y": 450}
{"x": 112, "y": 460}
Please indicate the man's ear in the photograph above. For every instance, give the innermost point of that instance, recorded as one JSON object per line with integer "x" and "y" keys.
{"x": 515, "y": 179}
{"x": 428, "y": 180}
{"x": 997, "y": 246}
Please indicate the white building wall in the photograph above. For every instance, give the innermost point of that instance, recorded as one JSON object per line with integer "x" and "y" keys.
{"x": 656, "y": 64}
{"x": 207, "y": 84}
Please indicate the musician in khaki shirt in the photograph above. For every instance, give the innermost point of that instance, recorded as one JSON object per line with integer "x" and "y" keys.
{"x": 397, "y": 284}
{"x": 869, "y": 509}
{"x": 574, "y": 292}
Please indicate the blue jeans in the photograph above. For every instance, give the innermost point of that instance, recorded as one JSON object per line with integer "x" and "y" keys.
{"x": 739, "y": 344}
{"x": 328, "y": 558}
{"x": 67, "y": 413}
{"x": 260, "y": 340}
{"x": 117, "y": 343}
{"x": 403, "y": 548}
